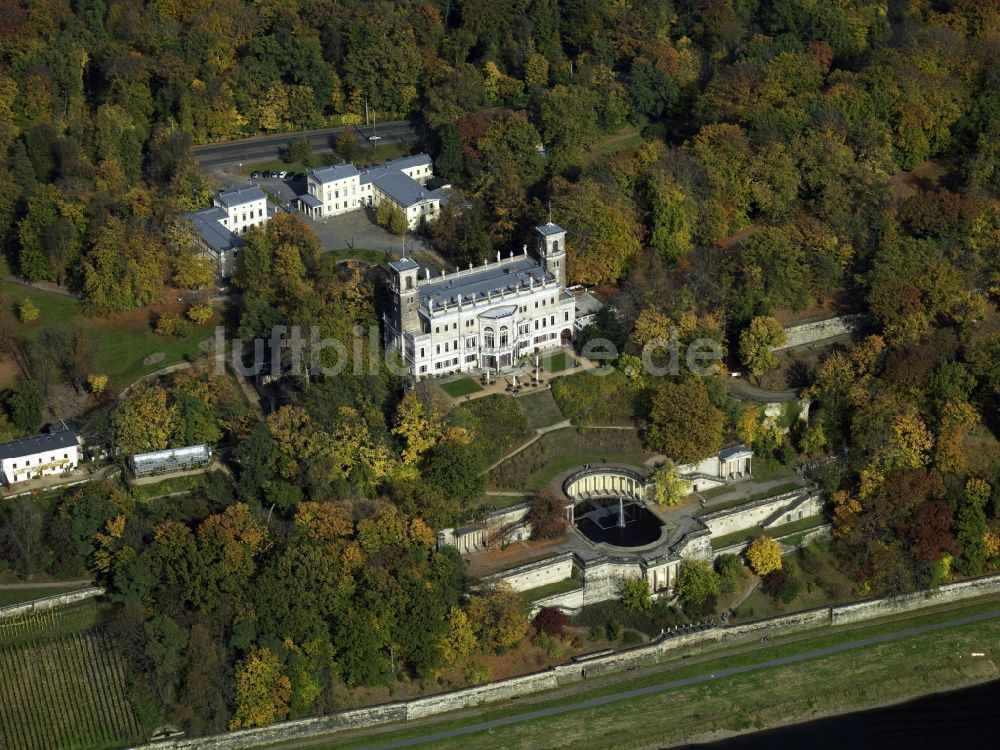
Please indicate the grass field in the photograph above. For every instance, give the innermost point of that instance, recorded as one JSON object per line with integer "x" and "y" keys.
{"x": 894, "y": 671}
{"x": 540, "y": 409}
{"x": 17, "y": 596}
{"x": 559, "y": 587}
{"x": 628, "y": 137}
{"x": 561, "y": 450}
{"x": 119, "y": 344}
{"x": 462, "y": 387}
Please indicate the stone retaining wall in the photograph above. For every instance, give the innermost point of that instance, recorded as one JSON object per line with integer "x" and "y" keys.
{"x": 538, "y": 573}
{"x": 731, "y": 520}
{"x": 568, "y": 601}
{"x": 949, "y": 592}
{"x": 50, "y": 602}
{"x": 553, "y": 677}
{"x": 821, "y": 330}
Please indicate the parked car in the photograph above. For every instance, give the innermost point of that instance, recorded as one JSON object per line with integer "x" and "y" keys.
{"x": 255, "y": 175}
{"x": 282, "y": 174}
{"x": 266, "y": 174}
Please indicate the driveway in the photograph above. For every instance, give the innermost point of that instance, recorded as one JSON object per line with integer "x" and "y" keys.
{"x": 357, "y": 229}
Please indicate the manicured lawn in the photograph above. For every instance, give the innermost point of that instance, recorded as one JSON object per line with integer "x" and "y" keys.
{"x": 462, "y": 387}
{"x": 557, "y": 361}
{"x": 549, "y": 589}
{"x": 540, "y": 409}
{"x": 561, "y": 450}
{"x": 371, "y": 257}
{"x": 118, "y": 344}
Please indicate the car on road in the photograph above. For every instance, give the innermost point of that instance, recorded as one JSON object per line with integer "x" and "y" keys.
{"x": 374, "y": 138}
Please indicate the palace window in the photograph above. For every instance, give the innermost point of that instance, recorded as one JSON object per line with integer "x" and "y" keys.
{"x": 470, "y": 342}
{"x": 504, "y": 336}
{"x": 488, "y": 338}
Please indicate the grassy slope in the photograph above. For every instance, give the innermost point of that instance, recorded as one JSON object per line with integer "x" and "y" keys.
{"x": 540, "y": 409}
{"x": 119, "y": 344}
{"x": 561, "y": 450}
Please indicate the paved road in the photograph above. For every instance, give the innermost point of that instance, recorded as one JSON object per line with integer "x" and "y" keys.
{"x": 625, "y": 695}
{"x": 748, "y": 391}
{"x": 265, "y": 147}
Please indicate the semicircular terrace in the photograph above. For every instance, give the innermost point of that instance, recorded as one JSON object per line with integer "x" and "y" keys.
{"x": 606, "y": 481}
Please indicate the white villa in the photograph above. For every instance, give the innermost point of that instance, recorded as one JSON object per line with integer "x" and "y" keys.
{"x": 343, "y": 187}
{"x": 484, "y": 317}
{"x": 220, "y": 226}
{"x": 40, "y": 455}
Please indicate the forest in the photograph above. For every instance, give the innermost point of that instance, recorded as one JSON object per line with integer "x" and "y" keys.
{"x": 716, "y": 163}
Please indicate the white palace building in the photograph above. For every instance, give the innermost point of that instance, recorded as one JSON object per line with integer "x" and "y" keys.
{"x": 483, "y": 317}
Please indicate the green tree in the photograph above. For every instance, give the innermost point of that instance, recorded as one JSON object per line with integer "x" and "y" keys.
{"x": 144, "y": 420}
{"x": 347, "y": 145}
{"x": 603, "y": 231}
{"x": 262, "y": 690}
{"x": 757, "y": 342}
{"x": 683, "y": 423}
{"x": 971, "y": 527}
{"x": 498, "y": 615}
{"x": 668, "y": 486}
{"x": 567, "y": 117}
{"x": 391, "y": 218}
{"x": 764, "y": 555}
{"x": 299, "y": 151}
{"x": 697, "y": 585}
{"x": 165, "y": 644}
{"x": 636, "y": 596}
{"x": 25, "y": 401}
{"x": 449, "y": 162}
{"x": 27, "y": 312}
